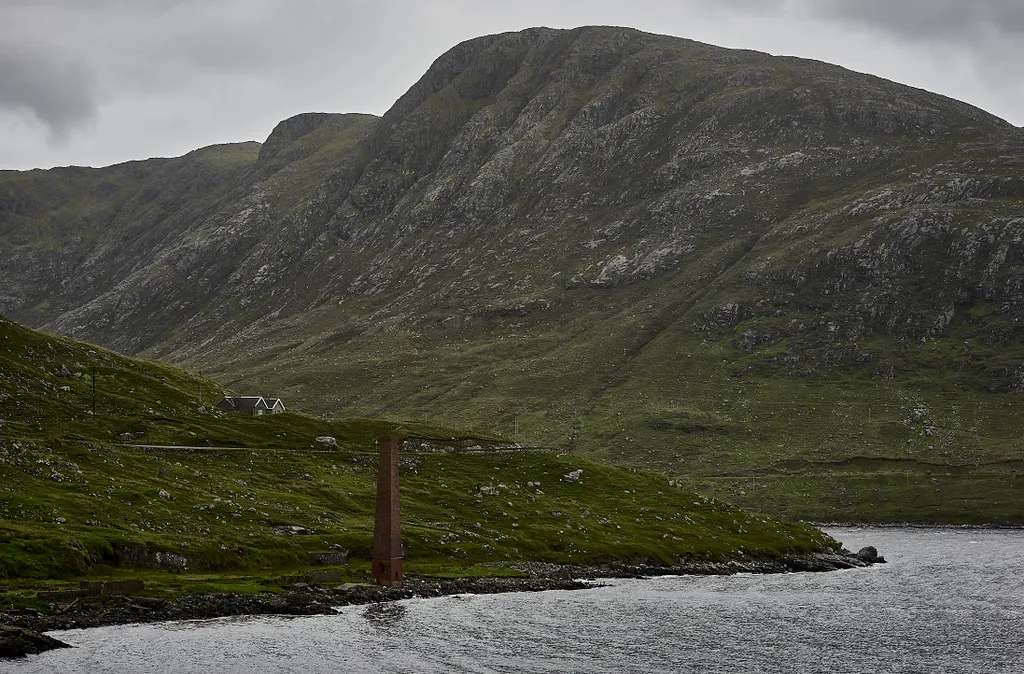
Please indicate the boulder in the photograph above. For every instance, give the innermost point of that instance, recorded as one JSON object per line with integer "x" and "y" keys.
{"x": 870, "y": 555}
{"x": 328, "y": 558}
{"x": 291, "y": 529}
{"x": 17, "y": 642}
{"x": 327, "y": 441}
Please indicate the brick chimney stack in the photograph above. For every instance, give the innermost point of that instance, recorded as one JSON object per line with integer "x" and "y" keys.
{"x": 387, "y": 534}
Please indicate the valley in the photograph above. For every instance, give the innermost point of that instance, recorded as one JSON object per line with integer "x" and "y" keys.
{"x": 785, "y": 284}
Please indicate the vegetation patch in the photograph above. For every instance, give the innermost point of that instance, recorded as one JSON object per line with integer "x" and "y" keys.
{"x": 203, "y": 500}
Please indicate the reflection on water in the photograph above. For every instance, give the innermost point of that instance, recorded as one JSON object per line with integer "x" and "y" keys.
{"x": 949, "y": 601}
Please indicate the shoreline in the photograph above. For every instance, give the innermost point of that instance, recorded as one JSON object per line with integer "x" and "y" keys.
{"x": 302, "y": 599}
{"x": 916, "y": 525}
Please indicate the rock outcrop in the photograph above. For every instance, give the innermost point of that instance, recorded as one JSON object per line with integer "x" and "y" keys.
{"x": 18, "y": 642}
{"x": 303, "y": 599}
{"x": 870, "y": 555}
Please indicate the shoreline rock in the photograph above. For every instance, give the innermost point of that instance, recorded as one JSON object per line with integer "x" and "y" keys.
{"x": 1007, "y": 526}
{"x": 19, "y": 642}
{"x": 320, "y": 600}
{"x": 870, "y": 555}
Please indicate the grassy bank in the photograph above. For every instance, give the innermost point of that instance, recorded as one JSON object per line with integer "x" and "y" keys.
{"x": 81, "y": 513}
{"x": 255, "y": 498}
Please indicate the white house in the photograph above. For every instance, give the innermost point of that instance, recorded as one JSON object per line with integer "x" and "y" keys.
{"x": 252, "y": 405}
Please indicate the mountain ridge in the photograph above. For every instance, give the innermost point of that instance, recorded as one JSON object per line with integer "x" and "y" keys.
{"x": 577, "y": 226}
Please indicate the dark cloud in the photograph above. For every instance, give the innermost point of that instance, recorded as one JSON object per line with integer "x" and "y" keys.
{"x": 162, "y": 77}
{"x": 57, "y": 91}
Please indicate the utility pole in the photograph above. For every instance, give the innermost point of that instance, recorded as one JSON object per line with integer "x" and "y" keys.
{"x": 94, "y": 388}
{"x": 515, "y": 426}
{"x": 200, "y": 388}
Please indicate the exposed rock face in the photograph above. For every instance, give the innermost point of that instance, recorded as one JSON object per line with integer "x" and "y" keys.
{"x": 152, "y": 559}
{"x": 17, "y": 642}
{"x": 570, "y": 220}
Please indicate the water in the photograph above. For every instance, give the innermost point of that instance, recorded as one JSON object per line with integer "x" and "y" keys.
{"x": 949, "y": 601}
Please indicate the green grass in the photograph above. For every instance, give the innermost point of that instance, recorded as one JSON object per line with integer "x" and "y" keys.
{"x": 69, "y": 513}
{"x": 75, "y": 502}
{"x": 109, "y": 394}
{"x": 917, "y": 494}
{"x": 638, "y": 388}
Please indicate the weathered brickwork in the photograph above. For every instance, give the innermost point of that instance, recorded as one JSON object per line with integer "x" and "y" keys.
{"x": 387, "y": 535}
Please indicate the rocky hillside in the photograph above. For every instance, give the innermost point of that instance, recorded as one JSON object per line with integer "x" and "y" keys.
{"x": 721, "y": 263}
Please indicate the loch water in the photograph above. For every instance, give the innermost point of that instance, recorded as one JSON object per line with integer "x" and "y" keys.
{"x": 950, "y": 600}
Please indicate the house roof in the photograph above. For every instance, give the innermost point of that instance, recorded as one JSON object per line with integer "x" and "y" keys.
{"x": 245, "y": 402}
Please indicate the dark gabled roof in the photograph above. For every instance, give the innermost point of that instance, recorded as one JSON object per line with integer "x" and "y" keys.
{"x": 271, "y": 402}
{"x": 244, "y": 402}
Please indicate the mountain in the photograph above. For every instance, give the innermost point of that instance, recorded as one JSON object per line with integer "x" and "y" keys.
{"x": 789, "y": 283}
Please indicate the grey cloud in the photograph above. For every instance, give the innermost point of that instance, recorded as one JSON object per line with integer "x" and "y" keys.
{"x": 957, "y": 19}
{"x": 753, "y": 6}
{"x": 59, "y": 92}
{"x": 945, "y": 20}
{"x": 171, "y": 75}
{"x": 967, "y": 49}
{"x": 145, "y": 6}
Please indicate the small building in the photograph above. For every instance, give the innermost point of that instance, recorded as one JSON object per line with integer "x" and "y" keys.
{"x": 252, "y": 405}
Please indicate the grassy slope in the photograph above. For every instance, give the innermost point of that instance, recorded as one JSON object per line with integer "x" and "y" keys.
{"x": 896, "y": 430}
{"x": 73, "y": 499}
{"x": 98, "y": 221}
{"x": 848, "y": 421}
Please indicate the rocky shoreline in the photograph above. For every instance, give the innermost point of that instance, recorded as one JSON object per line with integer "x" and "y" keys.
{"x": 1005, "y": 526}
{"x": 302, "y": 599}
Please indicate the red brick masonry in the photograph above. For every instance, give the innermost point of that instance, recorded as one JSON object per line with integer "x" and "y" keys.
{"x": 387, "y": 534}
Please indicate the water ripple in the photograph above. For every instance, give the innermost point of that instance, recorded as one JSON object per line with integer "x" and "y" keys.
{"x": 950, "y": 601}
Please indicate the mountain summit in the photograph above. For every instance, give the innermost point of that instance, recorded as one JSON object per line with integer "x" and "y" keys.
{"x": 708, "y": 260}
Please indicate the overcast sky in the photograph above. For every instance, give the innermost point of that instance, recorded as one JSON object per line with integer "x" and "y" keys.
{"x": 95, "y": 82}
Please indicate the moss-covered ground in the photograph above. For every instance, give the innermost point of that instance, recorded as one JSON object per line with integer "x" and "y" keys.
{"x": 841, "y": 429}
{"x": 76, "y": 500}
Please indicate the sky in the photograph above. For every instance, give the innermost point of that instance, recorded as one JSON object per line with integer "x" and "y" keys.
{"x": 97, "y": 82}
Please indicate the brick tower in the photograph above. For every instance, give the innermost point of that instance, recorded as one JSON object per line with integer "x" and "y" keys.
{"x": 387, "y": 534}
